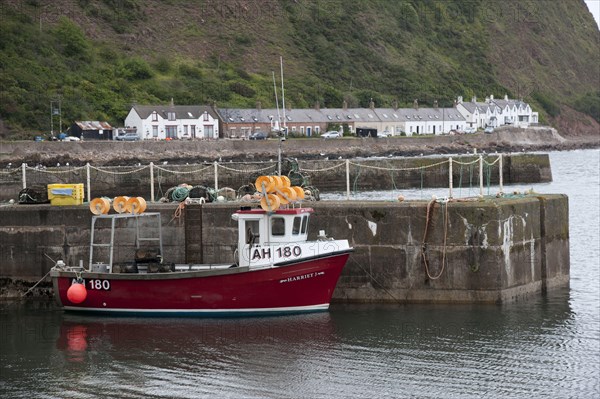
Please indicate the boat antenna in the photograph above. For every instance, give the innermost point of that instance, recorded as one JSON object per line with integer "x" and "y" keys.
{"x": 276, "y": 103}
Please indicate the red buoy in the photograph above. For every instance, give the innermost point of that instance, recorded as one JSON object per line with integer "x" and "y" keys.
{"x": 77, "y": 293}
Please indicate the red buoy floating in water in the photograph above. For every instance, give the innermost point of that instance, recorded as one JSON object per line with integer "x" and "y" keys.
{"x": 77, "y": 293}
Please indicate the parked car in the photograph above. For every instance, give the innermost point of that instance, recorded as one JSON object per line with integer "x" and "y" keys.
{"x": 332, "y": 134}
{"x": 489, "y": 130}
{"x": 129, "y": 137}
{"x": 470, "y": 130}
{"x": 258, "y": 136}
{"x": 71, "y": 138}
{"x": 383, "y": 134}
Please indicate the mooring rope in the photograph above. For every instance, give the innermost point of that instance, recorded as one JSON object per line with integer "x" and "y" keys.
{"x": 424, "y": 244}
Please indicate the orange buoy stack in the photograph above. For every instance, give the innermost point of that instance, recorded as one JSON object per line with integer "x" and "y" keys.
{"x": 120, "y": 204}
{"x": 277, "y": 191}
{"x": 100, "y": 206}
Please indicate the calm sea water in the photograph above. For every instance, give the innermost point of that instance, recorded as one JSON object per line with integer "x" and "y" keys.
{"x": 542, "y": 347}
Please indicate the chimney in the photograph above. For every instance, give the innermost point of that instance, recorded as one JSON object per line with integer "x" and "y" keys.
{"x": 456, "y": 103}
{"x": 491, "y": 97}
{"x": 372, "y": 104}
{"x": 395, "y": 104}
{"x": 435, "y": 104}
{"x": 459, "y": 100}
{"x": 416, "y": 104}
{"x": 214, "y": 105}
{"x": 258, "y": 106}
{"x": 317, "y": 106}
{"x": 289, "y": 106}
{"x": 487, "y": 100}
{"x": 474, "y": 99}
{"x": 506, "y": 97}
{"x": 172, "y": 102}
{"x": 345, "y": 105}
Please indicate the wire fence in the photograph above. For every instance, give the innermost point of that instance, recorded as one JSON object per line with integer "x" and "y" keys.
{"x": 461, "y": 176}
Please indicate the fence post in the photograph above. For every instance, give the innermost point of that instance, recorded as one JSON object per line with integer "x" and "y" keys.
{"x": 152, "y": 181}
{"x": 24, "y": 174}
{"x": 450, "y": 178}
{"x": 216, "y": 176}
{"x": 501, "y": 179}
{"x": 89, "y": 189}
{"x": 348, "y": 179}
{"x": 481, "y": 175}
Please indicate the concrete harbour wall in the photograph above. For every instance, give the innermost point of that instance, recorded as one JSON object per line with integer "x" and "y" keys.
{"x": 495, "y": 250}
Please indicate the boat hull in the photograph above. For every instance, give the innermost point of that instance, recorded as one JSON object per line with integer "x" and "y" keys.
{"x": 303, "y": 286}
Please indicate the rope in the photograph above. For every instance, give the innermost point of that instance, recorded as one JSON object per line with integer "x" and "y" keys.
{"x": 180, "y": 194}
{"x": 119, "y": 173}
{"x": 246, "y": 170}
{"x": 182, "y": 172}
{"x": 492, "y": 163}
{"x": 400, "y": 169}
{"x": 355, "y": 184}
{"x": 465, "y": 163}
{"x": 55, "y": 172}
{"x": 36, "y": 284}
{"x": 11, "y": 171}
{"x": 375, "y": 280}
{"x": 424, "y": 244}
{"x": 177, "y": 214}
{"x": 322, "y": 170}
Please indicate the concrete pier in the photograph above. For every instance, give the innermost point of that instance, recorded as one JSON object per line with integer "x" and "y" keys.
{"x": 481, "y": 250}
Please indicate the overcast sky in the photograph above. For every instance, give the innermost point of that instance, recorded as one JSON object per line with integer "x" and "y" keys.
{"x": 594, "y": 6}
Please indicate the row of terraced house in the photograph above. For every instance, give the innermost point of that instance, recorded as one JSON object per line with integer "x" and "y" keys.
{"x": 209, "y": 122}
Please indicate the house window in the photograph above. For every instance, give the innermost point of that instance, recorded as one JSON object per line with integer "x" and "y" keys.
{"x": 154, "y": 131}
{"x": 185, "y": 130}
{"x": 193, "y": 131}
{"x": 172, "y": 116}
{"x": 302, "y": 129}
{"x": 208, "y": 132}
{"x": 205, "y": 116}
{"x": 171, "y": 131}
{"x": 317, "y": 129}
{"x": 293, "y": 128}
{"x": 154, "y": 117}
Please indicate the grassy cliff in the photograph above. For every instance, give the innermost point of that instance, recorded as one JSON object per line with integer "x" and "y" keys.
{"x": 101, "y": 56}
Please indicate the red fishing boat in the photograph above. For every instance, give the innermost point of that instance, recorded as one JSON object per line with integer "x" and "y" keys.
{"x": 276, "y": 270}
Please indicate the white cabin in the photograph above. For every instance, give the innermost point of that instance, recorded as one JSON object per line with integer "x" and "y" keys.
{"x": 269, "y": 239}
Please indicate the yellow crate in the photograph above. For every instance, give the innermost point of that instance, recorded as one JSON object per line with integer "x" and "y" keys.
{"x": 61, "y": 201}
{"x": 76, "y": 191}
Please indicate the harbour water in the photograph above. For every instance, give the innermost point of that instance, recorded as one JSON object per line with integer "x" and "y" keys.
{"x": 541, "y": 347}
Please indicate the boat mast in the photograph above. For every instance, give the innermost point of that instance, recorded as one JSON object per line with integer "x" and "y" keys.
{"x": 276, "y": 103}
{"x": 283, "y": 96}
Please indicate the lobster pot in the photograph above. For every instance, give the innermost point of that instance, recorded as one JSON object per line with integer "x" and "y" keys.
{"x": 66, "y": 194}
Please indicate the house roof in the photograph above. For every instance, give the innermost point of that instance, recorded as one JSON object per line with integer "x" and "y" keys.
{"x": 93, "y": 125}
{"x": 181, "y": 111}
{"x": 339, "y": 115}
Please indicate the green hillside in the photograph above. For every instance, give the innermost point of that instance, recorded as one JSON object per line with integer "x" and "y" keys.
{"x": 99, "y": 57}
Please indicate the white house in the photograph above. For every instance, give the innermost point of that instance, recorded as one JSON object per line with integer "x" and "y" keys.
{"x": 515, "y": 112}
{"x": 416, "y": 120}
{"x": 496, "y": 113}
{"x": 160, "y": 122}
